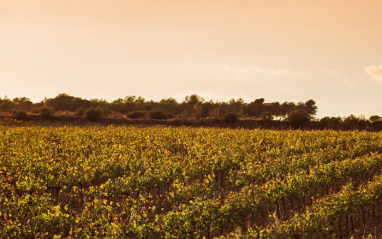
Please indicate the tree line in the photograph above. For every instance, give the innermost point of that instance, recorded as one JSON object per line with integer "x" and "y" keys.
{"x": 257, "y": 113}
{"x": 133, "y": 107}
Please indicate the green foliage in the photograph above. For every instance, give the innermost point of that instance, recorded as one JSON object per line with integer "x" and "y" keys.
{"x": 93, "y": 114}
{"x": 266, "y": 116}
{"x": 183, "y": 182}
{"x": 298, "y": 117}
{"x": 64, "y": 113}
{"x": 230, "y": 118}
{"x": 331, "y": 122}
{"x": 163, "y": 182}
{"x": 160, "y": 115}
{"x": 193, "y": 99}
{"x": 310, "y": 107}
{"x": 46, "y": 112}
{"x": 7, "y": 106}
{"x": 80, "y": 111}
{"x": 65, "y": 102}
{"x": 23, "y": 103}
{"x": 255, "y": 108}
{"x": 193, "y": 106}
{"x": 353, "y": 122}
{"x": 137, "y": 115}
{"x": 19, "y": 114}
{"x": 375, "y": 118}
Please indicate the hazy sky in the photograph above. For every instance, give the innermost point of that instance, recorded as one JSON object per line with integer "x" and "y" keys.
{"x": 280, "y": 50}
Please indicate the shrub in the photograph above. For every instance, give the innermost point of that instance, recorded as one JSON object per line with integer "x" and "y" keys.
{"x": 137, "y": 115}
{"x": 35, "y": 111}
{"x": 63, "y": 113}
{"x": 80, "y": 111}
{"x": 7, "y": 106}
{"x": 20, "y": 115}
{"x": 93, "y": 114}
{"x": 230, "y": 118}
{"x": 105, "y": 112}
{"x": 160, "y": 115}
{"x": 46, "y": 112}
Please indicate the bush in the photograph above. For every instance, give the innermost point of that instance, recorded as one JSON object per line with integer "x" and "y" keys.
{"x": 7, "y": 106}
{"x": 137, "y": 115}
{"x": 230, "y": 118}
{"x": 64, "y": 113}
{"x": 160, "y": 115}
{"x": 46, "y": 112}
{"x": 35, "y": 111}
{"x": 105, "y": 112}
{"x": 93, "y": 114}
{"x": 20, "y": 115}
{"x": 80, "y": 111}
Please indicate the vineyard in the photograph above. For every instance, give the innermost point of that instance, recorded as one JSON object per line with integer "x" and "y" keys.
{"x": 167, "y": 182}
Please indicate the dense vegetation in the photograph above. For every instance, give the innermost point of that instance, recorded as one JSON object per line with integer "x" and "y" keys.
{"x": 162, "y": 182}
{"x": 133, "y": 107}
{"x": 194, "y": 110}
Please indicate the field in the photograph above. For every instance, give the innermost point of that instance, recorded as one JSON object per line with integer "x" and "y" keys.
{"x": 166, "y": 182}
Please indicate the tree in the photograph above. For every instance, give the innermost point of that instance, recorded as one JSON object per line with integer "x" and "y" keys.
{"x": 118, "y": 105}
{"x": 7, "y": 106}
{"x": 223, "y": 109}
{"x": 286, "y": 108}
{"x": 140, "y": 100}
{"x": 196, "y": 111}
{"x": 310, "y": 107}
{"x": 61, "y": 102}
{"x": 274, "y": 109}
{"x": 266, "y": 116}
{"x": 331, "y": 122}
{"x": 193, "y": 100}
{"x": 375, "y": 118}
{"x": 170, "y": 105}
{"x": 255, "y": 108}
{"x": 298, "y": 118}
{"x": 237, "y": 106}
{"x": 130, "y": 99}
{"x": 353, "y": 122}
{"x": 191, "y": 106}
{"x": 207, "y": 108}
{"x": 23, "y": 103}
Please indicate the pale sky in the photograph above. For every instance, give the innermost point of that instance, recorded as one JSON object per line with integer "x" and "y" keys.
{"x": 281, "y": 50}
